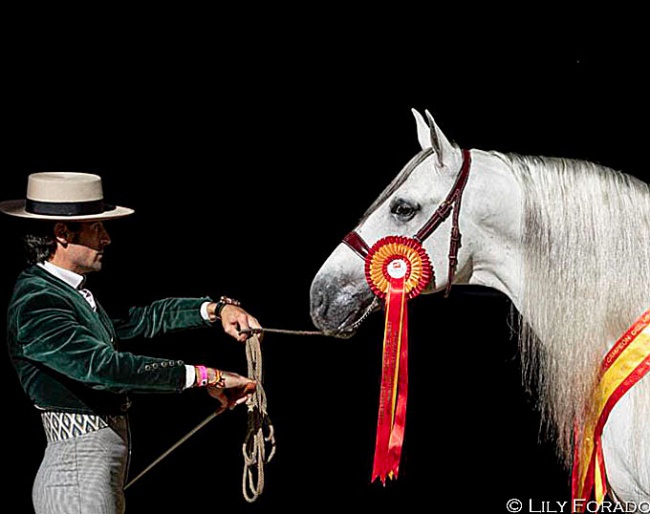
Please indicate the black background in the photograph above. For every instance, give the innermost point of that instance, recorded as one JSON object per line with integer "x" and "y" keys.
{"x": 248, "y": 145}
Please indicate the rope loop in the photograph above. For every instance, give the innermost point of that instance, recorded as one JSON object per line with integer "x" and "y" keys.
{"x": 260, "y": 429}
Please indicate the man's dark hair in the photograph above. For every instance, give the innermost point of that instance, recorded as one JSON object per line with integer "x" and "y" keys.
{"x": 39, "y": 241}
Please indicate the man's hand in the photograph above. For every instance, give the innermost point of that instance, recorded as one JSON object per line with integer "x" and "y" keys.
{"x": 233, "y": 390}
{"x": 234, "y": 320}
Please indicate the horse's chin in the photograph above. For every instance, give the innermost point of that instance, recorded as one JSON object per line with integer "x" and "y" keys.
{"x": 343, "y": 330}
{"x": 343, "y": 333}
{"x": 346, "y": 324}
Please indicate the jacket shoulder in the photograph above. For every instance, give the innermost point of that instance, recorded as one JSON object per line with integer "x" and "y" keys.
{"x": 35, "y": 283}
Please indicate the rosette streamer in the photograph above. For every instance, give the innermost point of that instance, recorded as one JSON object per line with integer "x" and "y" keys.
{"x": 397, "y": 269}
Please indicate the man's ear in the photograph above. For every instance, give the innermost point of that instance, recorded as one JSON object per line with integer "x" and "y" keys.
{"x": 61, "y": 234}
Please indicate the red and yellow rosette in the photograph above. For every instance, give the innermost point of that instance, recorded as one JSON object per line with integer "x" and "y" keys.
{"x": 397, "y": 268}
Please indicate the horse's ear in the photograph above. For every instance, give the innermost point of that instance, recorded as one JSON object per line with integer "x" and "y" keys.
{"x": 424, "y": 133}
{"x": 441, "y": 145}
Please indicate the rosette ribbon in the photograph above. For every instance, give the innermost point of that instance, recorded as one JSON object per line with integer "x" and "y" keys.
{"x": 397, "y": 269}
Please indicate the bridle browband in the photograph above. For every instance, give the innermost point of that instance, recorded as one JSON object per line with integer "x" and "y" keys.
{"x": 361, "y": 248}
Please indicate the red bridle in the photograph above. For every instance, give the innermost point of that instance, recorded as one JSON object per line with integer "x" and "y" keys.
{"x": 361, "y": 248}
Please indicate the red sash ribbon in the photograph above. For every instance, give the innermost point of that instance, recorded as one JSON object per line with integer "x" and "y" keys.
{"x": 624, "y": 365}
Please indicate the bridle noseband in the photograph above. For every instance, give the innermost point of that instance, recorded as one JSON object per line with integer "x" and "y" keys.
{"x": 361, "y": 248}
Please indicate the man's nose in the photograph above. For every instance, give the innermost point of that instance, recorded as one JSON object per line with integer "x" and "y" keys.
{"x": 105, "y": 238}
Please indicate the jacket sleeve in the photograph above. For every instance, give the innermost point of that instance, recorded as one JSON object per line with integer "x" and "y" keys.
{"x": 160, "y": 317}
{"x": 49, "y": 333}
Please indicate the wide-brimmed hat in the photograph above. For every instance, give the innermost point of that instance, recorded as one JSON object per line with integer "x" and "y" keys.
{"x": 64, "y": 196}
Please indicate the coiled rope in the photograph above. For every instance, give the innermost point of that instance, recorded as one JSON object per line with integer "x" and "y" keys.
{"x": 260, "y": 429}
{"x": 260, "y": 432}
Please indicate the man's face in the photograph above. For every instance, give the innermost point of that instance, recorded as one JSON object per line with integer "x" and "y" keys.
{"x": 85, "y": 249}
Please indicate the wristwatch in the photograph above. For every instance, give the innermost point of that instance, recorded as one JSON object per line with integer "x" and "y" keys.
{"x": 223, "y": 301}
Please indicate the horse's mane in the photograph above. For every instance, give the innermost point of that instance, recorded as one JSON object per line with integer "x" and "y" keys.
{"x": 586, "y": 234}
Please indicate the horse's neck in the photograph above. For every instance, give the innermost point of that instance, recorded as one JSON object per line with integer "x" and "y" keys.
{"x": 494, "y": 199}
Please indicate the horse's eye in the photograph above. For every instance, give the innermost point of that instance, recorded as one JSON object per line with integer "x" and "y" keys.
{"x": 403, "y": 209}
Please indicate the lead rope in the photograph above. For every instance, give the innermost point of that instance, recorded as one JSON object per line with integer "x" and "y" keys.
{"x": 254, "y": 447}
{"x": 260, "y": 429}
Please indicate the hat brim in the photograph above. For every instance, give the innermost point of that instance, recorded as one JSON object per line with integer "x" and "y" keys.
{"x": 17, "y": 208}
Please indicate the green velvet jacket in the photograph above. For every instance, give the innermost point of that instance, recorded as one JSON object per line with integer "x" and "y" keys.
{"x": 66, "y": 355}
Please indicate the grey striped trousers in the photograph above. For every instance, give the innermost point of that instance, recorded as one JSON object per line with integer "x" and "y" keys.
{"x": 84, "y": 474}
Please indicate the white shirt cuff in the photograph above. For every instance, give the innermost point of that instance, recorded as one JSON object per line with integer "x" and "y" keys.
{"x": 190, "y": 376}
{"x": 204, "y": 311}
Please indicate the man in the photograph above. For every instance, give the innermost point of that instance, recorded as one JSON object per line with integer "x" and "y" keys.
{"x": 68, "y": 352}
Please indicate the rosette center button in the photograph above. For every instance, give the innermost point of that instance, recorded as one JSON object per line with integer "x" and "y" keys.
{"x": 397, "y": 268}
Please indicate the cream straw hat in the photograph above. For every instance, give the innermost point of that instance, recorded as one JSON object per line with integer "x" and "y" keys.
{"x": 64, "y": 196}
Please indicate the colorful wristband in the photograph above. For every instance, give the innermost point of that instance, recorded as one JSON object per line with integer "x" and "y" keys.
{"x": 202, "y": 376}
{"x": 218, "y": 381}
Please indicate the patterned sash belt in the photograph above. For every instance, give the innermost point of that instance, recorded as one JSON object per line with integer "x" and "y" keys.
{"x": 64, "y": 425}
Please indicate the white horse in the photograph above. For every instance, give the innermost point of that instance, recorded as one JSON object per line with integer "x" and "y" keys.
{"x": 568, "y": 241}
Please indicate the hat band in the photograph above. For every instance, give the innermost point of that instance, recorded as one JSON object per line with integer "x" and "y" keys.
{"x": 66, "y": 208}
